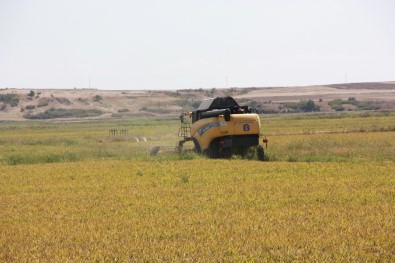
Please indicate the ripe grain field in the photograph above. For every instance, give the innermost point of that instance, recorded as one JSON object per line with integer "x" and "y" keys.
{"x": 71, "y": 193}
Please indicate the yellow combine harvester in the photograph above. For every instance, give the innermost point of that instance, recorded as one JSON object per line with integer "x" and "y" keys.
{"x": 220, "y": 128}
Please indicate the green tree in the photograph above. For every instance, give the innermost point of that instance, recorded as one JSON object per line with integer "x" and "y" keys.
{"x": 309, "y": 106}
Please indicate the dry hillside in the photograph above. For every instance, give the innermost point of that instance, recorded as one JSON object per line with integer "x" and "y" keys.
{"x": 22, "y": 104}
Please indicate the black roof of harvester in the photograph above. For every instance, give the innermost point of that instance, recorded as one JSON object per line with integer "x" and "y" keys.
{"x": 217, "y": 103}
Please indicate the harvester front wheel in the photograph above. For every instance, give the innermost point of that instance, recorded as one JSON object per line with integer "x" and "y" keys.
{"x": 260, "y": 153}
{"x": 197, "y": 146}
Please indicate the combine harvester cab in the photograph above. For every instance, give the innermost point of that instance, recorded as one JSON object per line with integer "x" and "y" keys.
{"x": 221, "y": 128}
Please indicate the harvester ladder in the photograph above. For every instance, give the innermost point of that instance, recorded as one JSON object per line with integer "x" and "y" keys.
{"x": 185, "y": 130}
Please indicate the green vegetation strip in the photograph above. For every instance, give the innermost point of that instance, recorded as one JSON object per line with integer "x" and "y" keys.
{"x": 360, "y": 105}
{"x": 64, "y": 113}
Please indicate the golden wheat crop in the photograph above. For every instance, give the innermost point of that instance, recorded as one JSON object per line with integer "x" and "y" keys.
{"x": 68, "y": 192}
{"x": 197, "y": 210}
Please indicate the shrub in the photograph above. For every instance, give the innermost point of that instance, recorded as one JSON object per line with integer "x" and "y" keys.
{"x": 352, "y": 100}
{"x": 361, "y": 105}
{"x": 30, "y": 107}
{"x": 10, "y": 99}
{"x": 336, "y": 105}
{"x": 31, "y": 94}
{"x": 305, "y": 106}
{"x": 97, "y": 98}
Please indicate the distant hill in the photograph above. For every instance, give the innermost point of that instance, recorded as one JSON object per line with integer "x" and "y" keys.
{"x": 22, "y": 104}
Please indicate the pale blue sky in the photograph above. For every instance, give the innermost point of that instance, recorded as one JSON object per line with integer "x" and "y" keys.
{"x": 177, "y": 44}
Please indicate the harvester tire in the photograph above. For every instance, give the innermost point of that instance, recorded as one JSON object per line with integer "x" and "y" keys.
{"x": 197, "y": 146}
{"x": 154, "y": 150}
{"x": 260, "y": 153}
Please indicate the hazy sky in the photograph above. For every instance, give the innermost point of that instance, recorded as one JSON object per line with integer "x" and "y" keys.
{"x": 176, "y": 44}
